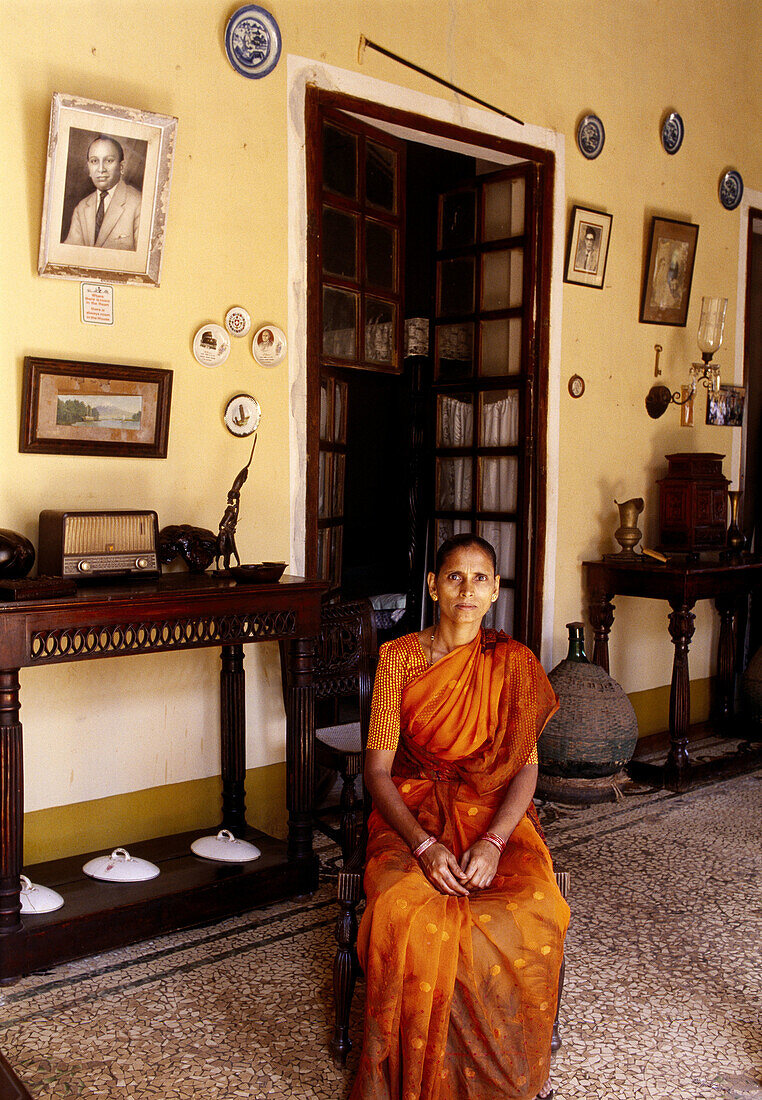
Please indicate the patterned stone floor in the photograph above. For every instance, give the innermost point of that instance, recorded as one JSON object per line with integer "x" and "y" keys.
{"x": 663, "y": 994}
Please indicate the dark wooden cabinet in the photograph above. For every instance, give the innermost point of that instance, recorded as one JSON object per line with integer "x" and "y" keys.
{"x": 173, "y": 612}
{"x": 693, "y": 504}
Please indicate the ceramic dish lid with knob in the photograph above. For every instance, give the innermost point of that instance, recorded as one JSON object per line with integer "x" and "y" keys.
{"x": 120, "y": 866}
{"x": 38, "y": 899}
{"x": 225, "y": 847}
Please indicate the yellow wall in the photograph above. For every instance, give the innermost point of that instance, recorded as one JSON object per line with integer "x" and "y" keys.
{"x": 114, "y": 727}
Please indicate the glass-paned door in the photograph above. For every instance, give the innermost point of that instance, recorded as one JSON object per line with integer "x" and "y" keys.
{"x": 484, "y": 368}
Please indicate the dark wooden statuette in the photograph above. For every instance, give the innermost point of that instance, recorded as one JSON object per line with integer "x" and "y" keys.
{"x": 226, "y": 547}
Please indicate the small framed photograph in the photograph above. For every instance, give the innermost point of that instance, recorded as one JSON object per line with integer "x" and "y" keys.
{"x": 588, "y": 247}
{"x": 724, "y": 407}
{"x": 69, "y": 407}
{"x": 106, "y": 192}
{"x": 669, "y": 272}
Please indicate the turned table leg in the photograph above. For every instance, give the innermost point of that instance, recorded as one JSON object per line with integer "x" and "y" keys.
{"x": 233, "y": 739}
{"x": 678, "y": 765}
{"x": 300, "y": 747}
{"x": 11, "y": 801}
{"x": 726, "y": 660}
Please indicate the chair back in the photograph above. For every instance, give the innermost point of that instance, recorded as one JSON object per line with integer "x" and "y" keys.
{"x": 345, "y": 656}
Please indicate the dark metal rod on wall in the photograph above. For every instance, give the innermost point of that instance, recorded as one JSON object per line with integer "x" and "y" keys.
{"x": 425, "y": 72}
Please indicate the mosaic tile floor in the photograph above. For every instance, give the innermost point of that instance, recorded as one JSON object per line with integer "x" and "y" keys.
{"x": 663, "y": 994}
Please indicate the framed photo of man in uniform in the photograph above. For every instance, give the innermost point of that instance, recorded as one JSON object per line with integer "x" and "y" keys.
{"x": 106, "y": 192}
{"x": 588, "y": 247}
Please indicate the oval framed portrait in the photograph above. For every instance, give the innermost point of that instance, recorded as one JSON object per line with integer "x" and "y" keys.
{"x": 269, "y": 346}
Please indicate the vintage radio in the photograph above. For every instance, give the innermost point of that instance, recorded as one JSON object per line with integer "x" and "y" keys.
{"x": 98, "y": 544}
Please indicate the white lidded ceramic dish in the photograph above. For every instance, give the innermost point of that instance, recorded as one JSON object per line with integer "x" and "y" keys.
{"x": 120, "y": 866}
{"x": 225, "y": 847}
{"x": 38, "y": 899}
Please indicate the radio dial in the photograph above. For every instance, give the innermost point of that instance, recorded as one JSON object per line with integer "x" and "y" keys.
{"x": 84, "y": 567}
{"x": 141, "y": 563}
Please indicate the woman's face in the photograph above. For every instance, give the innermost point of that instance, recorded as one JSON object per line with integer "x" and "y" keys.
{"x": 465, "y": 585}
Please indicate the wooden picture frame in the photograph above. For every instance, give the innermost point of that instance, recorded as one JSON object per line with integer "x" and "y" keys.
{"x": 70, "y": 407}
{"x": 587, "y": 249}
{"x": 94, "y": 148}
{"x": 669, "y": 272}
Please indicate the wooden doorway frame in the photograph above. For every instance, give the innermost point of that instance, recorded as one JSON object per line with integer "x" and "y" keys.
{"x": 474, "y": 132}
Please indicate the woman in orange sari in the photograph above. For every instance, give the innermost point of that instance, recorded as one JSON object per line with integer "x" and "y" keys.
{"x": 462, "y": 937}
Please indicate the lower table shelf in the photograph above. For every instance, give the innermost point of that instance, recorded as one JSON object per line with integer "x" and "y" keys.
{"x": 99, "y": 916}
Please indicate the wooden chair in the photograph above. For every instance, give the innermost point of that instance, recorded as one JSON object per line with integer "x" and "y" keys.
{"x": 345, "y": 652}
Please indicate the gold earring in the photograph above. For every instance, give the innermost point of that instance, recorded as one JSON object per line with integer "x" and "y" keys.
{"x": 494, "y": 598}
{"x": 434, "y": 597}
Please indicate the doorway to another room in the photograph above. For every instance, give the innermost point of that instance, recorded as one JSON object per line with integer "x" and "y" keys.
{"x": 427, "y": 355}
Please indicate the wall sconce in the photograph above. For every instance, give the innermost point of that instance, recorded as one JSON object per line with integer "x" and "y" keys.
{"x": 711, "y": 328}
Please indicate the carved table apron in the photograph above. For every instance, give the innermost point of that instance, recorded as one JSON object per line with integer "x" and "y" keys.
{"x": 173, "y": 612}
{"x": 681, "y": 585}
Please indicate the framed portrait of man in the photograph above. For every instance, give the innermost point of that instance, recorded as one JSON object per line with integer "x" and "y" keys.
{"x": 588, "y": 247}
{"x": 106, "y": 192}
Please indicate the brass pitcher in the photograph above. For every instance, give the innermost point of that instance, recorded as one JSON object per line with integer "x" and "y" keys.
{"x": 628, "y": 534}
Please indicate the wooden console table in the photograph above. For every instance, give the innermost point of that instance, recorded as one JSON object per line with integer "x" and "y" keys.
{"x": 173, "y": 612}
{"x": 681, "y": 584}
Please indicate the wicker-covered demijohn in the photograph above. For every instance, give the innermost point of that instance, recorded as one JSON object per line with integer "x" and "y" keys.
{"x": 593, "y": 735}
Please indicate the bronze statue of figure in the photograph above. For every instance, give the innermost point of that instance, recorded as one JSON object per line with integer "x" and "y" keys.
{"x": 226, "y": 547}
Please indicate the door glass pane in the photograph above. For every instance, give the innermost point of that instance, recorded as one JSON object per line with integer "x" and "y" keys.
{"x": 324, "y": 407}
{"x": 502, "y": 282}
{"x": 457, "y": 219}
{"x": 380, "y": 330}
{"x": 500, "y": 615}
{"x": 322, "y": 553}
{"x": 497, "y": 210}
{"x": 335, "y": 562}
{"x": 380, "y": 251}
{"x": 380, "y": 172}
{"x": 324, "y": 480}
{"x": 339, "y": 462}
{"x": 498, "y": 484}
{"x": 500, "y": 347}
{"x": 503, "y": 538}
{"x": 454, "y": 352}
{"x": 339, "y": 323}
{"x": 339, "y": 243}
{"x": 518, "y": 199}
{"x": 454, "y": 484}
{"x": 499, "y": 419}
{"x": 456, "y": 285}
{"x": 340, "y": 412}
{"x": 455, "y": 421}
{"x": 446, "y": 528}
{"x": 339, "y": 161}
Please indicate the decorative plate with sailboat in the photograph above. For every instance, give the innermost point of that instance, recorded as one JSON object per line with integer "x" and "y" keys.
{"x": 242, "y": 414}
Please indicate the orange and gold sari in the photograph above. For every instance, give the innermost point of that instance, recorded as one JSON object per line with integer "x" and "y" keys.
{"x": 461, "y": 991}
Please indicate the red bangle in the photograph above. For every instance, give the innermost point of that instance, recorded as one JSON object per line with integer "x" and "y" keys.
{"x": 418, "y": 852}
{"x": 498, "y": 841}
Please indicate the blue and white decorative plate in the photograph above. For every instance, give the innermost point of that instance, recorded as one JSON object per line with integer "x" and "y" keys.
{"x": 731, "y": 189}
{"x": 672, "y": 133}
{"x": 590, "y": 136}
{"x": 252, "y": 41}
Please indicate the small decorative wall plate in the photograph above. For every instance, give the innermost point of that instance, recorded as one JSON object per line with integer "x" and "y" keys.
{"x": 672, "y": 132}
{"x": 576, "y": 385}
{"x": 237, "y": 321}
{"x": 269, "y": 346}
{"x": 252, "y": 41}
{"x": 590, "y": 136}
{"x": 211, "y": 345}
{"x": 242, "y": 414}
{"x": 731, "y": 189}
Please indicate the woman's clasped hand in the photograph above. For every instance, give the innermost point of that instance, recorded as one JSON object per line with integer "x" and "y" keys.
{"x": 476, "y": 870}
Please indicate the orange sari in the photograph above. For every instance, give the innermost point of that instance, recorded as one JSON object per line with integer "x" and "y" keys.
{"x": 461, "y": 992}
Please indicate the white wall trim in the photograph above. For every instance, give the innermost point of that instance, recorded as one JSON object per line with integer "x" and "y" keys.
{"x": 301, "y": 72}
